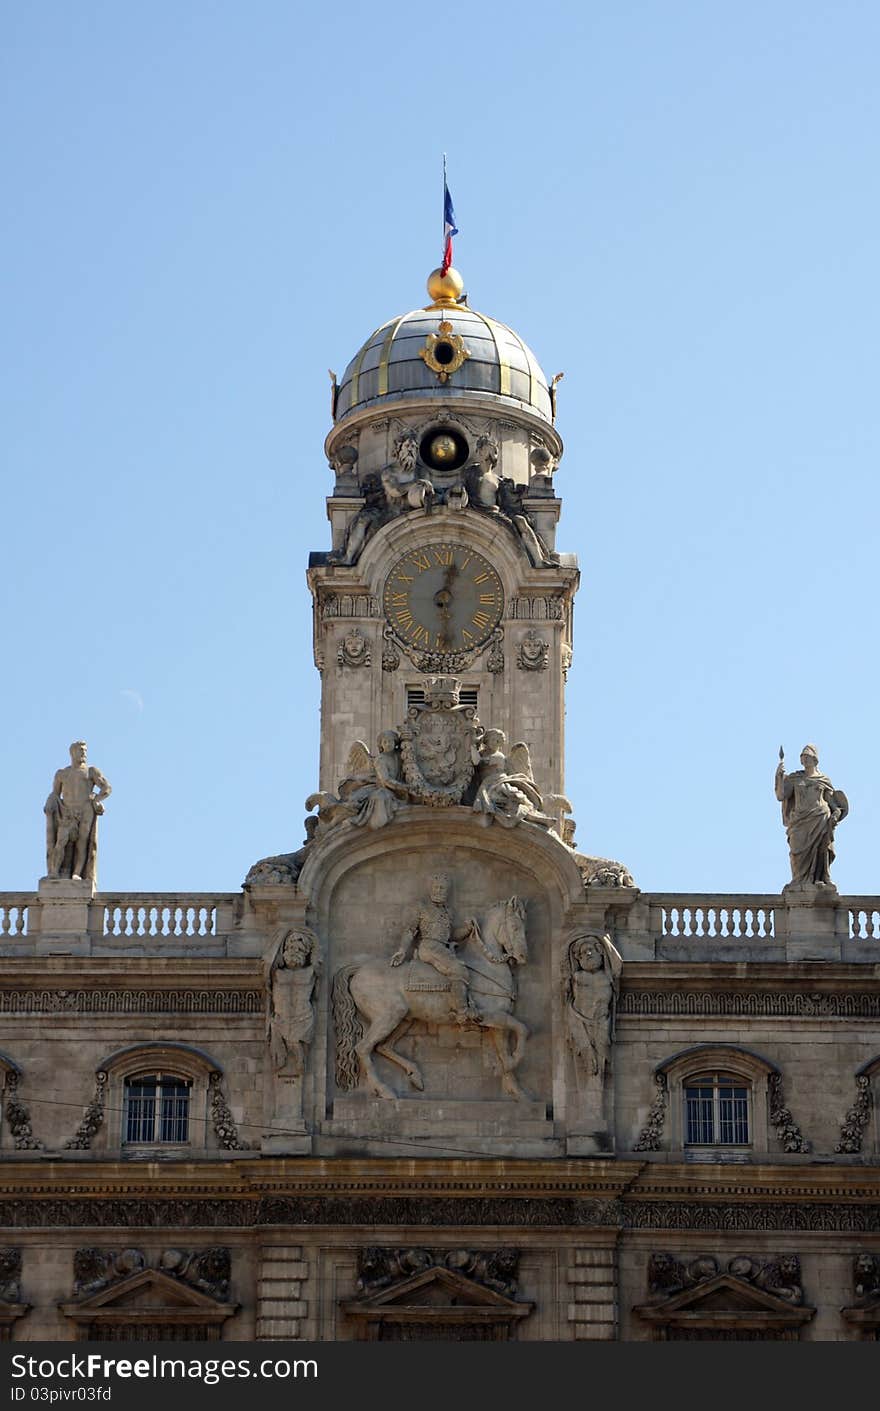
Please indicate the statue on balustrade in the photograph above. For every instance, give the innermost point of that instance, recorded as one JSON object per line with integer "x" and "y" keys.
{"x": 72, "y": 810}
{"x": 811, "y": 810}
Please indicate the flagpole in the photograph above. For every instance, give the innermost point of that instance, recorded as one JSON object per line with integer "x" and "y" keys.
{"x": 443, "y": 216}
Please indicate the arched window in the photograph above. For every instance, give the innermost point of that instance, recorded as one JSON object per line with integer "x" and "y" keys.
{"x": 158, "y": 1099}
{"x": 157, "y": 1109}
{"x": 714, "y": 1104}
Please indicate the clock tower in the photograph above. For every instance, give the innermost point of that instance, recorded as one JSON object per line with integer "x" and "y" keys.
{"x": 443, "y": 514}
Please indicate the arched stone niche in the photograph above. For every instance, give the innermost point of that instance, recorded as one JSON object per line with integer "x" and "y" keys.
{"x": 365, "y": 889}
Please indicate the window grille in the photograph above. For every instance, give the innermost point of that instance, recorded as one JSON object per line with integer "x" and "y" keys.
{"x": 157, "y": 1109}
{"x": 716, "y": 1111}
{"x": 467, "y": 696}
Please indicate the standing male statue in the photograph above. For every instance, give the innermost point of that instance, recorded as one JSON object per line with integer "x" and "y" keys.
{"x": 72, "y": 811}
{"x": 434, "y": 938}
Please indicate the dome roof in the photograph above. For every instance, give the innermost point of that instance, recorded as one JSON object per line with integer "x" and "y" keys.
{"x": 390, "y": 363}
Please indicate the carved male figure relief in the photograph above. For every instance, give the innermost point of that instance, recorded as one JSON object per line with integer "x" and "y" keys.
{"x": 291, "y": 1019}
{"x": 591, "y": 983}
{"x": 72, "y": 809}
{"x": 432, "y": 937}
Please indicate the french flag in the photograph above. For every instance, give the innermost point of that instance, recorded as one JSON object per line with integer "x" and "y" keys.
{"x": 449, "y": 228}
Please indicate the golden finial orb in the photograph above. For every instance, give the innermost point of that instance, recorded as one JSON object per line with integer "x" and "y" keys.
{"x": 442, "y": 449}
{"x": 445, "y": 288}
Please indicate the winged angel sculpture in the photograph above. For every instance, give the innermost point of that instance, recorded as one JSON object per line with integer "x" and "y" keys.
{"x": 506, "y": 789}
{"x": 372, "y": 790}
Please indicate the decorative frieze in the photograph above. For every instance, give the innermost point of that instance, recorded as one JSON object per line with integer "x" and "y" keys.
{"x": 131, "y": 1002}
{"x": 349, "y": 605}
{"x": 751, "y": 1004}
{"x": 535, "y": 1212}
{"x": 541, "y": 608}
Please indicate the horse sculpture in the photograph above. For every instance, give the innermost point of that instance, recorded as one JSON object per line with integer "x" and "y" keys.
{"x": 373, "y": 1006}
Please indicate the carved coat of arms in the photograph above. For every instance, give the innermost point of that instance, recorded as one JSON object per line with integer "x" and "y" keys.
{"x": 437, "y": 745}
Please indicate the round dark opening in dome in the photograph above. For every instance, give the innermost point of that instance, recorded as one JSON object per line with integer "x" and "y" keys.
{"x": 444, "y": 353}
{"x": 443, "y": 449}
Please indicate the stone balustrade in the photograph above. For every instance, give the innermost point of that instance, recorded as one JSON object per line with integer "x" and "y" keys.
{"x": 645, "y": 925}
{"x": 722, "y": 917}
{"x": 14, "y": 913}
{"x": 160, "y": 914}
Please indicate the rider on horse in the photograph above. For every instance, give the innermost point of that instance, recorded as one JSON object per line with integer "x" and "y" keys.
{"x": 436, "y": 938}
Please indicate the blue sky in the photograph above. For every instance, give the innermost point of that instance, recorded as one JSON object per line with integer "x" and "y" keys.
{"x": 210, "y": 204}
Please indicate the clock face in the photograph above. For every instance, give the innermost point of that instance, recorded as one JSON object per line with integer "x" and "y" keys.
{"x": 444, "y": 598}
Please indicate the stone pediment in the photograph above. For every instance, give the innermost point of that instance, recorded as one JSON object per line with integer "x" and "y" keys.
{"x": 148, "y": 1297}
{"x": 436, "y": 1303}
{"x": 725, "y": 1306}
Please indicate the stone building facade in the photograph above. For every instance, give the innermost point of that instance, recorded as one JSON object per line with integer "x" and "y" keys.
{"x": 437, "y": 1073}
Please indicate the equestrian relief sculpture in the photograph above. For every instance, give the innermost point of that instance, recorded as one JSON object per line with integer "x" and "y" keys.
{"x": 428, "y": 979}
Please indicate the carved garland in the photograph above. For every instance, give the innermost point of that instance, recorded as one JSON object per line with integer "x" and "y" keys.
{"x": 856, "y": 1119}
{"x": 93, "y": 1117}
{"x": 651, "y": 1134}
{"x": 223, "y": 1121}
{"x": 787, "y": 1130}
{"x": 18, "y": 1117}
